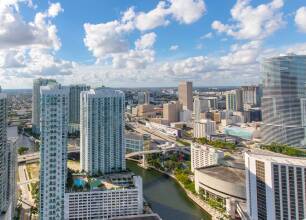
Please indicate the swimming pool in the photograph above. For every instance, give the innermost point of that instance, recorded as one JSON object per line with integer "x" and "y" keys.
{"x": 79, "y": 182}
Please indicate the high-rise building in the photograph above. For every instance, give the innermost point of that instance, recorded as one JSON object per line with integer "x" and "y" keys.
{"x": 3, "y": 153}
{"x": 275, "y": 186}
{"x": 74, "y": 102}
{"x": 37, "y": 83}
{"x": 284, "y": 100}
{"x": 234, "y": 100}
{"x": 185, "y": 95}
{"x": 102, "y": 131}
{"x": 204, "y": 155}
{"x": 54, "y": 113}
{"x": 143, "y": 97}
{"x": 203, "y": 104}
{"x": 204, "y": 128}
{"x": 171, "y": 111}
{"x": 251, "y": 95}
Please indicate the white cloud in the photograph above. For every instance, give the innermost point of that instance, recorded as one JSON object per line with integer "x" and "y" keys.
{"x": 140, "y": 57}
{"x": 15, "y": 32}
{"x": 300, "y": 19}
{"x": 242, "y": 54}
{"x": 106, "y": 38}
{"x": 54, "y": 9}
{"x": 174, "y": 47}
{"x": 207, "y": 36}
{"x": 252, "y": 23}
{"x": 152, "y": 19}
{"x": 187, "y": 11}
{"x": 146, "y": 41}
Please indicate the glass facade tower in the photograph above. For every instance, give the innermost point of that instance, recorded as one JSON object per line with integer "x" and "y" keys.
{"x": 284, "y": 100}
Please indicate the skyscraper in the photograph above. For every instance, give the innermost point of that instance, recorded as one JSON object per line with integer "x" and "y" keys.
{"x": 7, "y": 165}
{"x": 37, "y": 83}
{"x": 171, "y": 111}
{"x": 251, "y": 95}
{"x": 143, "y": 97}
{"x": 74, "y": 102}
{"x": 54, "y": 113}
{"x": 102, "y": 131}
{"x": 3, "y": 153}
{"x": 284, "y": 100}
{"x": 275, "y": 186}
{"x": 234, "y": 100}
{"x": 185, "y": 95}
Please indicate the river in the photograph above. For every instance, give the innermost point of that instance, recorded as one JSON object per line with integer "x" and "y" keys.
{"x": 166, "y": 197}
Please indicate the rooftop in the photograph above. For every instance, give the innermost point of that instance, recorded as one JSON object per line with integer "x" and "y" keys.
{"x": 277, "y": 157}
{"x": 225, "y": 173}
{"x": 82, "y": 182}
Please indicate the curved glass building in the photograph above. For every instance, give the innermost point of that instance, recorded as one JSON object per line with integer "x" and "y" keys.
{"x": 284, "y": 100}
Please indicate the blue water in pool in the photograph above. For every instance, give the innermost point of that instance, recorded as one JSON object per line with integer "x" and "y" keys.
{"x": 79, "y": 182}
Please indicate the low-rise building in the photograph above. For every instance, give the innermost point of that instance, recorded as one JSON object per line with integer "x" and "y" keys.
{"x": 223, "y": 184}
{"x": 115, "y": 195}
{"x": 204, "y": 155}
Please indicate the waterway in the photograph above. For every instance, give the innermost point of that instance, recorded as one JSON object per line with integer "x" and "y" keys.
{"x": 166, "y": 197}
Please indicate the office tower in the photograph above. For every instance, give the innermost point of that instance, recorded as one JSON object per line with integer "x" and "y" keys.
{"x": 185, "y": 95}
{"x": 102, "y": 131}
{"x": 3, "y": 153}
{"x": 74, "y": 102}
{"x": 234, "y": 101}
{"x": 143, "y": 97}
{"x": 54, "y": 113}
{"x": 171, "y": 111}
{"x": 284, "y": 100}
{"x": 204, "y": 155}
{"x": 204, "y": 128}
{"x": 275, "y": 186}
{"x": 37, "y": 83}
{"x": 203, "y": 104}
{"x": 251, "y": 95}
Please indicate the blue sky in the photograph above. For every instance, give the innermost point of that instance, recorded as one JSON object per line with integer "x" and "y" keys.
{"x": 134, "y": 43}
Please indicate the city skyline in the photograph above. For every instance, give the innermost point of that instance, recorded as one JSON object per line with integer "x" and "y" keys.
{"x": 208, "y": 45}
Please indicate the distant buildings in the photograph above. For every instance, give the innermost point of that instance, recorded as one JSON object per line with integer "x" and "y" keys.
{"x": 185, "y": 95}
{"x": 204, "y": 155}
{"x": 284, "y": 100}
{"x": 102, "y": 131}
{"x": 143, "y": 97}
{"x": 54, "y": 113}
{"x": 204, "y": 128}
{"x": 74, "y": 103}
{"x": 251, "y": 95}
{"x": 203, "y": 104}
{"x": 275, "y": 186}
{"x": 234, "y": 100}
{"x": 171, "y": 111}
{"x": 37, "y": 83}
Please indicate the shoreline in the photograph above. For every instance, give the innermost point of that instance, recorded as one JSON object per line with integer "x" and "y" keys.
{"x": 214, "y": 214}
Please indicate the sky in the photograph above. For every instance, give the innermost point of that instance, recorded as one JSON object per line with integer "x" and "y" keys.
{"x": 145, "y": 43}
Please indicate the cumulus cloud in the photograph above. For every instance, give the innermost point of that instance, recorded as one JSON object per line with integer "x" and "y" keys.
{"x": 54, "y": 9}
{"x": 187, "y": 11}
{"x": 152, "y": 19}
{"x": 15, "y": 32}
{"x": 252, "y": 23}
{"x": 300, "y": 19}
